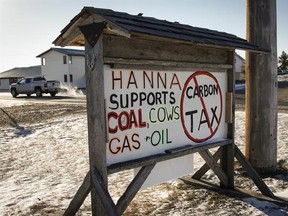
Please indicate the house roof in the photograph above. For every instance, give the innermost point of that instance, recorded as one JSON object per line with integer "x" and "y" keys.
{"x": 127, "y": 25}
{"x": 69, "y": 52}
{"x": 19, "y": 72}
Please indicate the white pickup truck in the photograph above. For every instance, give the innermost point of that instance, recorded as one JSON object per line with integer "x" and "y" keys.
{"x": 37, "y": 85}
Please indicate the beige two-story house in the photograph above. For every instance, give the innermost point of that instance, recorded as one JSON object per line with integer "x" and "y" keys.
{"x": 65, "y": 65}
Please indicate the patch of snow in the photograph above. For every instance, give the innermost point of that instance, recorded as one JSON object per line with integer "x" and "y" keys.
{"x": 44, "y": 165}
{"x": 283, "y": 77}
{"x": 70, "y": 90}
{"x": 266, "y": 207}
{"x": 283, "y": 193}
{"x": 9, "y": 103}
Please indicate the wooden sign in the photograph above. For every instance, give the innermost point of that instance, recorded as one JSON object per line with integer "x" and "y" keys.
{"x": 149, "y": 112}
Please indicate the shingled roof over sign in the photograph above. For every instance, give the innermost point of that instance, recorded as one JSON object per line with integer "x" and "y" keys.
{"x": 131, "y": 25}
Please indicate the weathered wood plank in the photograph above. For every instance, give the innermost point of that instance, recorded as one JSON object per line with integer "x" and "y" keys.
{"x": 227, "y": 158}
{"x": 230, "y": 97}
{"x": 165, "y": 156}
{"x": 73, "y": 36}
{"x": 135, "y": 48}
{"x": 239, "y": 193}
{"x": 227, "y": 165}
{"x": 133, "y": 188}
{"x": 79, "y": 197}
{"x": 96, "y": 116}
{"x": 207, "y": 156}
{"x": 229, "y": 117}
{"x": 121, "y": 63}
{"x": 261, "y": 87}
{"x": 252, "y": 173}
{"x": 171, "y": 68}
{"x": 100, "y": 185}
{"x": 198, "y": 175}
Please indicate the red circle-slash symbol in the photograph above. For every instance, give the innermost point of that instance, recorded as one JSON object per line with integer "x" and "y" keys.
{"x": 201, "y": 106}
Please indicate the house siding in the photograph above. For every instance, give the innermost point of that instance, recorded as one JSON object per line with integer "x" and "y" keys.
{"x": 4, "y": 84}
{"x": 239, "y": 68}
{"x": 55, "y": 69}
{"x": 77, "y": 69}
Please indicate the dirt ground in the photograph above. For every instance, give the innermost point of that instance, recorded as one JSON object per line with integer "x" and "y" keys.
{"x": 31, "y": 114}
{"x": 282, "y": 100}
{"x": 42, "y": 112}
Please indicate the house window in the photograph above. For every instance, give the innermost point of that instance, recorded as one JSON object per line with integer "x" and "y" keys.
{"x": 64, "y": 59}
{"x": 70, "y": 59}
{"x": 65, "y": 78}
{"x": 43, "y": 61}
{"x": 71, "y": 77}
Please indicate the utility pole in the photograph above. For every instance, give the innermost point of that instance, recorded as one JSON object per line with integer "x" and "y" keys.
{"x": 261, "y": 87}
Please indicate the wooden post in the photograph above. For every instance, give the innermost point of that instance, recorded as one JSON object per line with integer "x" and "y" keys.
{"x": 95, "y": 109}
{"x": 227, "y": 156}
{"x": 261, "y": 87}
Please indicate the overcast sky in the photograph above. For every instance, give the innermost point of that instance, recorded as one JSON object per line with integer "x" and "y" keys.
{"x": 28, "y": 27}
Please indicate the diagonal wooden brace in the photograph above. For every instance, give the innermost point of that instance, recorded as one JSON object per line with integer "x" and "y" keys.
{"x": 199, "y": 174}
{"x": 207, "y": 156}
{"x": 123, "y": 201}
{"x": 252, "y": 173}
{"x": 134, "y": 187}
{"x": 79, "y": 197}
{"x": 99, "y": 185}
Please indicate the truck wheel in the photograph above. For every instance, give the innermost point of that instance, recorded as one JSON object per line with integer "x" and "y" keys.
{"x": 38, "y": 92}
{"x": 14, "y": 92}
{"x": 53, "y": 94}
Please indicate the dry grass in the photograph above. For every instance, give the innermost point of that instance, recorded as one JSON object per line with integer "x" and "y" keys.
{"x": 36, "y": 113}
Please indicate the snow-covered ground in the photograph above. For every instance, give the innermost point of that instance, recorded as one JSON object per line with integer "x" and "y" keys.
{"x": 43, "y": 165}
{"x": 283, "y": 77}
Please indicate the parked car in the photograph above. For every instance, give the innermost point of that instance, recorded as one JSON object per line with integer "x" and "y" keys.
{"x": 37, "y": 85}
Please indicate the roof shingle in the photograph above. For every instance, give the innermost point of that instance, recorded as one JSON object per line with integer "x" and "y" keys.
{"x": 162, "y": 28}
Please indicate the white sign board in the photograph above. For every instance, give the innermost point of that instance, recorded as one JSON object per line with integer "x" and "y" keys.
{"x": 149, "y": 112}
{"x": 169, "y": 170}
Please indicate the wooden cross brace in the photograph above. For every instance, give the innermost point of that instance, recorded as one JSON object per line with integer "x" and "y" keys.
{"x": 96, "y": 179}
{"x": 211, "y": 163}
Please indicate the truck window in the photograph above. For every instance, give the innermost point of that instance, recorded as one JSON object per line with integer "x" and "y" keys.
{"x": 39, "y": 79}
{"x": 28, "y": 80}
{"x": 22, "y": 81}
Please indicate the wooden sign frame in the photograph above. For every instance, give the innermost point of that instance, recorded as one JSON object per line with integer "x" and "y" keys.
{"x": 96, "y": 56}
